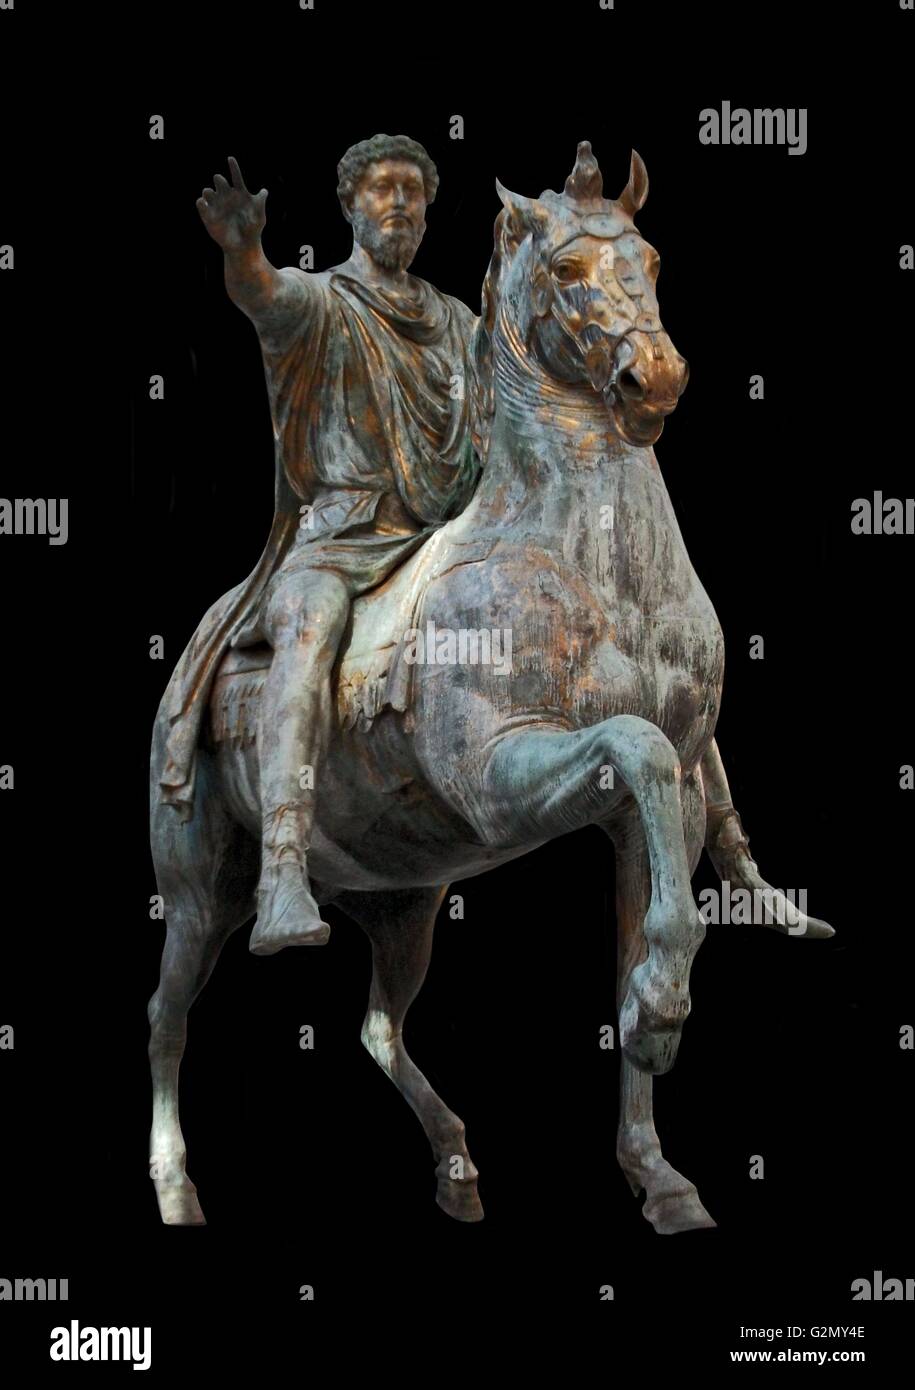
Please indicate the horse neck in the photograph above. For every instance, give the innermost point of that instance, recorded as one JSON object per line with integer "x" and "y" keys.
{"x": 552, "y": 450}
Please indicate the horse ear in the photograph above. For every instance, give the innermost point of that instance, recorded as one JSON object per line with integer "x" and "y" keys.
{"x": 492, "y": 277}
{"x": 636, "y": 191}
{"x": 522, "y": 216}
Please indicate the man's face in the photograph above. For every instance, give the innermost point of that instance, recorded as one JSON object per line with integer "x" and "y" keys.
{"x": 388, "y": 212}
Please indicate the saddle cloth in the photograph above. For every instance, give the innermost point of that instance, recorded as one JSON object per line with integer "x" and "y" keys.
{"x": 370, "y": 673}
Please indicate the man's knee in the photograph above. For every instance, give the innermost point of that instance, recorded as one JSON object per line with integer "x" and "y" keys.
{"x": 310, "y": 608}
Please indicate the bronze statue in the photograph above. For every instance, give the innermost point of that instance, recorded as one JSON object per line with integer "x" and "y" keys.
{"x": 361, "y": 364}
{"x": 438, "y": 767}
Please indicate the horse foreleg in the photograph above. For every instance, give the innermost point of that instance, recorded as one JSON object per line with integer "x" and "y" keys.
{"x": 540, "y": 783}
{"x": 671, "y": 1201}
{"x": 729, "y": 850}
{"x": 399, "y": 925}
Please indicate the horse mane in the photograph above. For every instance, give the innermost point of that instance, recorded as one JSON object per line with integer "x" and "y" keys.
{"x": 484, "y": 400}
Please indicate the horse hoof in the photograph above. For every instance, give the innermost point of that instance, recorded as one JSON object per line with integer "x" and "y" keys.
{"x": 459, "y": 1199}
{"x": 673, "y": 1212}
{"x": 178, "y": 1206}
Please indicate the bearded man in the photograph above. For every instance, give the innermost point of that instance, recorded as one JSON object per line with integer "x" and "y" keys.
{"x": 369, "y": 377}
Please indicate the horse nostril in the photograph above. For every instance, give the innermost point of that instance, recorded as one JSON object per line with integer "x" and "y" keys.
{"x": 630, "y": 386}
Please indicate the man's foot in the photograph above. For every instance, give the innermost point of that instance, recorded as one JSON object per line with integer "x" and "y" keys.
{"x": 287, "y": 914}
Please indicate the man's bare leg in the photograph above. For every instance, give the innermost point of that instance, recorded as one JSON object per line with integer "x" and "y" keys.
{"x": 304, "y": 621}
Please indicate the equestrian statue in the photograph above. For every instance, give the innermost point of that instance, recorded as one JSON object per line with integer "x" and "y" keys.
{"x": 337, "y": 730}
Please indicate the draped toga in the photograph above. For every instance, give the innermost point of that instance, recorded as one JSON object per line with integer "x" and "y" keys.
{"x": 370, "y": 397}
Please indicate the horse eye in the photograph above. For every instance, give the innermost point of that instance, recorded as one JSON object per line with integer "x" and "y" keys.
{"x": 567, "y": 272}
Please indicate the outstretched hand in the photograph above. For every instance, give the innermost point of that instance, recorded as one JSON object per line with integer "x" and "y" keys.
{"x": 233, "y": 216}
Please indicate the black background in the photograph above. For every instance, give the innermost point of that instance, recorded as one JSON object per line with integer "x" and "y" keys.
{"x": 310, "y": 1168}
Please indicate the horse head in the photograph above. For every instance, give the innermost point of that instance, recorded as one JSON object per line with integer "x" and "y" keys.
{"x": 570, "y": 294}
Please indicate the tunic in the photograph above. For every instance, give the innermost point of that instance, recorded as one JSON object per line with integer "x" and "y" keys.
{"x": 370, "y": 397}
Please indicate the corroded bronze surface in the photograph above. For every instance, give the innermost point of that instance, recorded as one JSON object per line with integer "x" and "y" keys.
{"x": 372, "y": 436}
{"x": 595, "y": 702}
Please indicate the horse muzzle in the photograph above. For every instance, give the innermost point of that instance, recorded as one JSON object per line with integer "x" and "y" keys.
{"x": 648, "y": 379}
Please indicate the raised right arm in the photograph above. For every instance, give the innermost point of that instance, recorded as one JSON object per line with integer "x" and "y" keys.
{"x": 235, "y": 219}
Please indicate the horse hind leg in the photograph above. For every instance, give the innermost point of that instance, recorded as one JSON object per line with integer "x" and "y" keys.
{"x": 399, "y": 925}
{"x": 206, "y": 873}
{"x": 672, "y": 1202}
{"x": 187, "y": 960}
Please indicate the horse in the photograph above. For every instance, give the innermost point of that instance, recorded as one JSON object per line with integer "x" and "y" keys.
{"x": 600, "y": 709}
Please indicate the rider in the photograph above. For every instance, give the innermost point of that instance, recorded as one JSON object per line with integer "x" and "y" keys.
{"x": 366, "y": 368}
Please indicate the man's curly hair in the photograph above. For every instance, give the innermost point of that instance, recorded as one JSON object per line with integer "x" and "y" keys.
{"x": 358, "y": 158}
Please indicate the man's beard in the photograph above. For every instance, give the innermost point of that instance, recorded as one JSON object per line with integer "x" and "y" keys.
{"x": 392, "y": 247}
